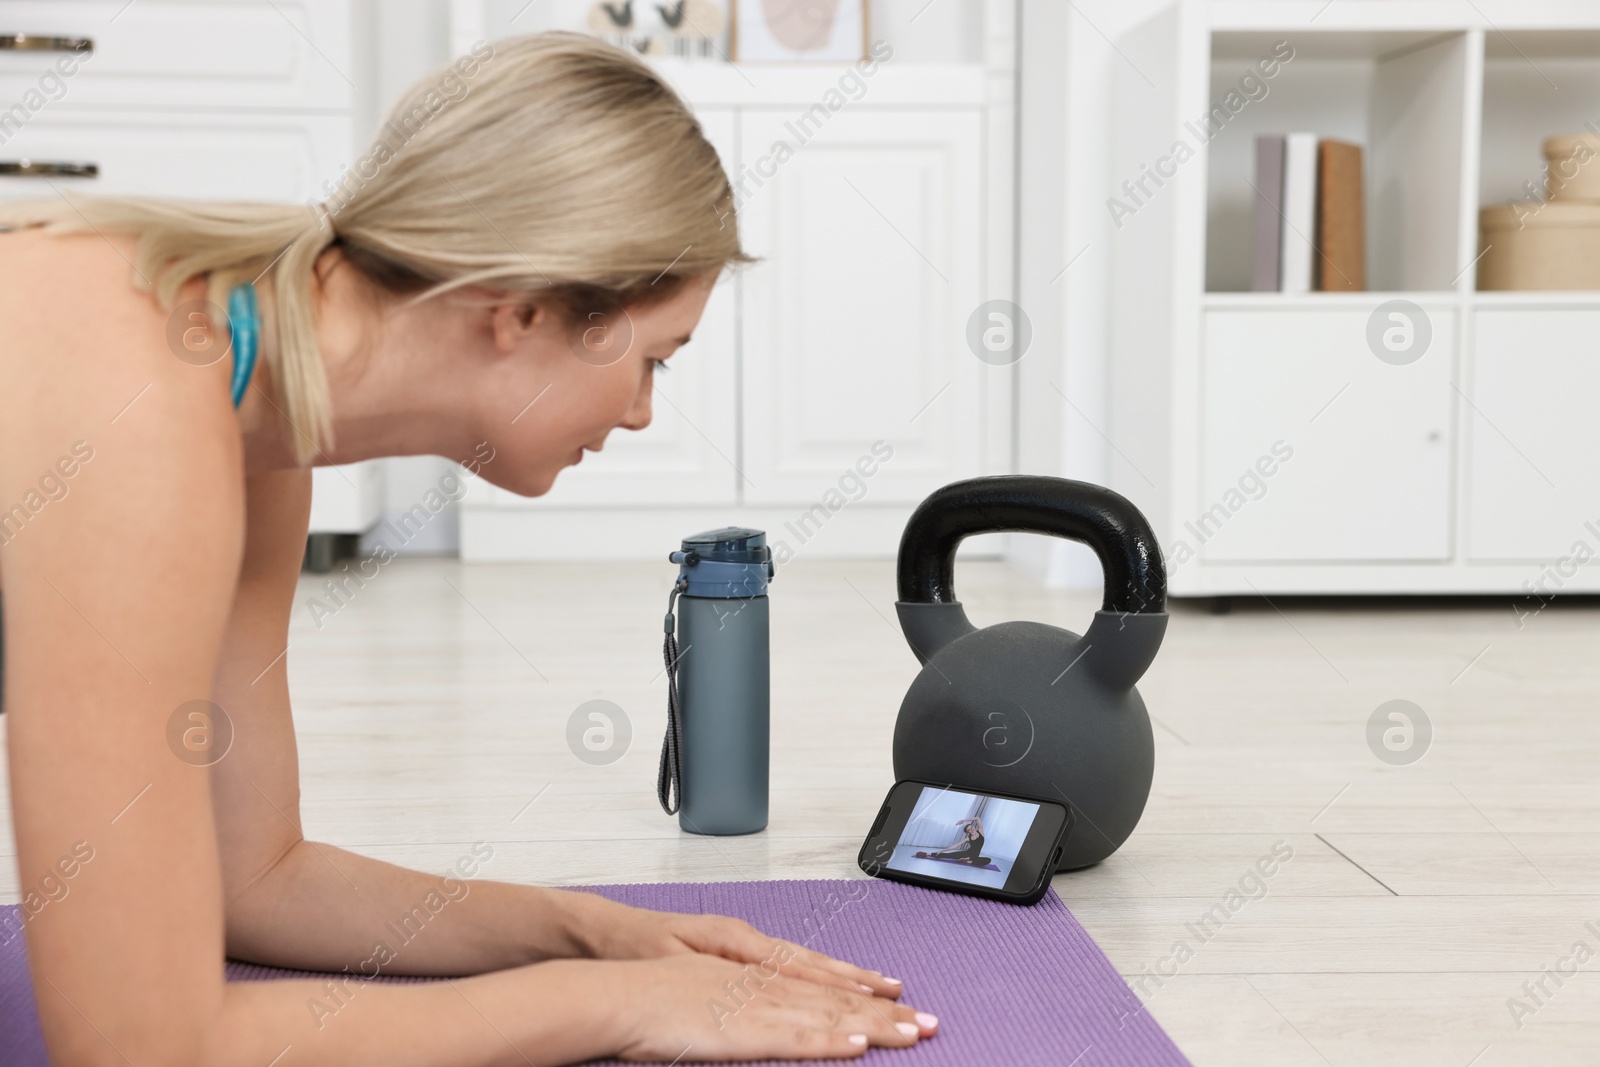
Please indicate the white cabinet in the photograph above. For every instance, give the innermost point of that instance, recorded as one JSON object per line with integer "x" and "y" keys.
{"x": 854, "y": 322}
{"x": 1534, "y": 486}
{"x": 1358, "y": 449}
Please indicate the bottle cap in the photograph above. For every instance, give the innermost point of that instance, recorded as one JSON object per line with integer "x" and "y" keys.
{"x": 731, "y": 544}
{"x": 733, "y": 562}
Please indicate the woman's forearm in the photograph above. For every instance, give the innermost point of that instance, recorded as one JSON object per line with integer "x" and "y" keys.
{"x": 551, "y": 1013}
{"x": 323, "y": 908}
{"x": 671, "y": 1010}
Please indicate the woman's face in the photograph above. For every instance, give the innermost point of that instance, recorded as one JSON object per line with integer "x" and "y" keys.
{"x": 567, "y": 384}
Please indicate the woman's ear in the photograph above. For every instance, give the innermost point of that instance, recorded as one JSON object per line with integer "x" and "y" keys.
{"x": 515, "y": 319}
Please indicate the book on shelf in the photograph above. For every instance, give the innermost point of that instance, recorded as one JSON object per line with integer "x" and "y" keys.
{"x": 1341, "y": 225}
{"x": 1268, "y": 213}
{"x": 1309, "y": 215}
{"x": 1295, "y": 271}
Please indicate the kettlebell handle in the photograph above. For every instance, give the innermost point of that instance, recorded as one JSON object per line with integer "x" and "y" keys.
{"x": 1119, "y": 534}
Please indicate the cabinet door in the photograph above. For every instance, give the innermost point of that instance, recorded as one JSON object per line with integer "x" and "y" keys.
{"x": 688, "y": 453}
{"x": 1533, "y": 486}
{"x": 212, "y": 156}
{"x": 1361, "y": 470}
{"x": 854, "y": 322}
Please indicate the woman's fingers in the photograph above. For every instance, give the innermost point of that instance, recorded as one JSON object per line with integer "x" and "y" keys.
{"x": 808, "y": 1003}
{"x": 734, "y": 939}
{"x": 890, "y": 1020}
{"x": 856, "y": 977}
{"x": 823, "y": 977}
{"x": 884, "y": 1021}
{"x": 803, "y": 1043}
{"x": 840, "y": 975}
{"x": 738, "y": 940}
{"x": 700, "y": 1007}
{"x": 810, "y": 1006}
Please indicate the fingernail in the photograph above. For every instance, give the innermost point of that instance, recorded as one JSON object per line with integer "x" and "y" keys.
{"x": 865, "y": 989}
{"x": 858, "y": 1039}
{"x": 909, "y": 1029}
{"x": 926, "y": 1020}
{"x": 893, "y": 981}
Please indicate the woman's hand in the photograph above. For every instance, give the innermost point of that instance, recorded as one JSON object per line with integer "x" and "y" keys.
{"x": 638, "y": 933}
{"x": 693, "y": 1007}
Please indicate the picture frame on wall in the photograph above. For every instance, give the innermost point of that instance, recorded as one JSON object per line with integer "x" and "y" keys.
{"x": 798, "y": 31}
{"x": 682, "y": 29}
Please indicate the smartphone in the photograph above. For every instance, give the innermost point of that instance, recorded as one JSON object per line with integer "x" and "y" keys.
{"x": 983, "y": 844}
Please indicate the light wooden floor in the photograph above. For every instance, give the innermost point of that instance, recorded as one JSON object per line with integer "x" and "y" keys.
{"x": 432, "y": 713}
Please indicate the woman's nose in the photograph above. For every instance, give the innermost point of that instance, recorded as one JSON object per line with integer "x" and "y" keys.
{"x": 639, "y": 414}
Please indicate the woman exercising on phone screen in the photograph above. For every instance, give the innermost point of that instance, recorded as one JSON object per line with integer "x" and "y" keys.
{"x": 552, "y": 234}
{"x": 967, "y": 847}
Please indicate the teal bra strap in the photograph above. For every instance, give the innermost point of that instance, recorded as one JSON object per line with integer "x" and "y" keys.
{"x": 245, "y": 324}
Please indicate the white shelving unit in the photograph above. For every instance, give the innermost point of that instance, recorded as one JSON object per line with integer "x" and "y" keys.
{"x": 1468, "y": 469}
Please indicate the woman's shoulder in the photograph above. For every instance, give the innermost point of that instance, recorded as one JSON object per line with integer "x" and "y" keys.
{"x": 89, "y": 364}
{"x": 53, "y": 286}
{"x": 82, "y": 324}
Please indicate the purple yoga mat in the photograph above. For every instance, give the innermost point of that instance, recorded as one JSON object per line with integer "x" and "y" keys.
{"x": 1021, "y": 986}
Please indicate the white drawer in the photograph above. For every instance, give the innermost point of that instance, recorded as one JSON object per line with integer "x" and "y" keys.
{"x": 182, "y": 53}
{"x": 240, "y": 156}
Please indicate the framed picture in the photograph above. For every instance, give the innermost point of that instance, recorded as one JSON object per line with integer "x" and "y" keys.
{"x": 787, "y": 31}
{"x": 686, "y": 29}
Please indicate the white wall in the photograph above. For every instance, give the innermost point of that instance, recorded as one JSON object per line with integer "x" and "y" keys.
{"x": 1064, "y": 427}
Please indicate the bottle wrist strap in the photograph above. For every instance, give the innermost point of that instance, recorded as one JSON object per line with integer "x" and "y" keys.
{"x": 669, "y": 779}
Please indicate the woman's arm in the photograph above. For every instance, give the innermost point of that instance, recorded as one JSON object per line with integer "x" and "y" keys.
{"x": 291, "y": 902}
{"x": 964, "y": 840}
{"x": 294, "y": 903}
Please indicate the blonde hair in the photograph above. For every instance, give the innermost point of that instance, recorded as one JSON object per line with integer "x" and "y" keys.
{"x": 550, "y": 164}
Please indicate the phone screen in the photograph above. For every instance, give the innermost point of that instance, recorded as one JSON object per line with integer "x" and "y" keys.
{"x": 991, "y": 845}
{"x": 963, "y": 837}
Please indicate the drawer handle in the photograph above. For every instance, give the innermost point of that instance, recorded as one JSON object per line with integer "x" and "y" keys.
{"x": 28, "y": 42}
{"x": 27, "y": 168}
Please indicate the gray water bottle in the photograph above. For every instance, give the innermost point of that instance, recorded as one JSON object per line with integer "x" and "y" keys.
{"x": 716, "y": 752}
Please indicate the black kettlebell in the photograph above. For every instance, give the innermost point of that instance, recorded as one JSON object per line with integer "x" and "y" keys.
{"x": 1021, "y": 707}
